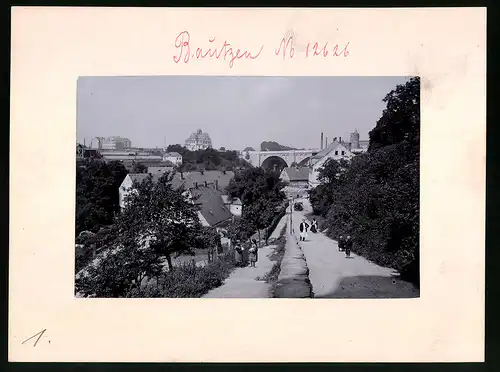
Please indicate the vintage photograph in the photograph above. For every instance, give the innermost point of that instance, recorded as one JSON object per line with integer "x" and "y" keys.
{"x": 247, "y": 187}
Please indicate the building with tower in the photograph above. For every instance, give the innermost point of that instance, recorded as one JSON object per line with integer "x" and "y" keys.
{"x": 198, "y": 140}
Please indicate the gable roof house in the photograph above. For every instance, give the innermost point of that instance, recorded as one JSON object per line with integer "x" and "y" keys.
{"x": 213, "y": 211}
{"x": 297, "y": 180}
{"x": 208, "y": 188}
{"x": 335, "y": 150}
{"x": 294, "y": 175}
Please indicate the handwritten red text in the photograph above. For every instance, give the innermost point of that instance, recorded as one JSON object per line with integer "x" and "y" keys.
{"x": 226, "y": 51}
{"x": 319, "y": 49}
{"x": 286, "y": 48}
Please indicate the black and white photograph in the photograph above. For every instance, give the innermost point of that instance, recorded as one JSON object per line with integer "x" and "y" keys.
{"x": 247, "y": 187}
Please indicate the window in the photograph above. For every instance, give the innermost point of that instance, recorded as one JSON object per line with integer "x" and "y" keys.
{"x": 336, "y": 152}
{"x": 343, "y": 152}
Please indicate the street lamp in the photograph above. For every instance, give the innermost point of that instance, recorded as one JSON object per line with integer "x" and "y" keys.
{"x": 291, "y": 216}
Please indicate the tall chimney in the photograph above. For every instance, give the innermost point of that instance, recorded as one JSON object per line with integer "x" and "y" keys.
{"x": 321, "y": 148}
{"x": 326, "y": 141}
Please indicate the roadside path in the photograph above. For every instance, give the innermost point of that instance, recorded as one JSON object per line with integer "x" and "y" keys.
{"x": 242, "y": 282}
{"x": 332, "y": 275}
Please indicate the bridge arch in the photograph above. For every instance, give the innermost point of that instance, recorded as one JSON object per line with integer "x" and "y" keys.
{"x": 304, "y": 162}
{"x": 274, "y": 161}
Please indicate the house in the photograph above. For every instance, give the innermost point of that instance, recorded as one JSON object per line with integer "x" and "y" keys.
{"x": 83, "y": 152}
{"x": 174, "y": 157}
{"x": 296, "y": 179}
{"x": 213, "y": 211}
{"x": 335, "y": 150}
{"x": 233, "y": 204}
{"x": 205, "y": 185}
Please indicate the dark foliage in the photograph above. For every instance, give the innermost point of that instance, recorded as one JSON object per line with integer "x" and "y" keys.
{"x": 260, "y": 192}
{"x": 209, "y": 159}
{"x": 97, "y": 200}
{"x": 189, "y": 280}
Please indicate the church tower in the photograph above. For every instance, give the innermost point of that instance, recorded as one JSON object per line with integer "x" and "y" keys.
{"x": 355, "y": 139}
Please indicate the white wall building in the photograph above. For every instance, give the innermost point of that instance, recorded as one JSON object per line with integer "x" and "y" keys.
{"x": 198, "y": 141}
{"x": 334, "y": 150}
{"x": 174, "y": 157}
{"x": 116, "y": 143}
{"x": 234, "y": 205}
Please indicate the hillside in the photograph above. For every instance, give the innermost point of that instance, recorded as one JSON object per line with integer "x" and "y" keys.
{"x": 274, "y": 146}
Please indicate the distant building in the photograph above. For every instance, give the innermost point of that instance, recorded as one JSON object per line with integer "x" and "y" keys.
{"x": 355, "y": 145}
{"x": 198, "y": 141}
{"x": 297, "y": 181}
{"x": 115, "y": 143}
{"x": 174, "y": 157}
{"x": 138, "y": 156}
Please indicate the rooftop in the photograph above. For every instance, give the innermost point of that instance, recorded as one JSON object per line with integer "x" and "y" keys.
{"x": 173, "y": 155}
{"x": 297, "y": 173}
{"x": 190, "y": 179}
{"x": 211, "y": 204}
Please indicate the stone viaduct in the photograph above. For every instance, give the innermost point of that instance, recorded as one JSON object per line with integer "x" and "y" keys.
{"x": 263, "y": 158}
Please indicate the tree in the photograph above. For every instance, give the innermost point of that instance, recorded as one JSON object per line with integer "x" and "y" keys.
{"x": 260, "y": 192}
{"x": 120, "y": 268}
{"x": 401, "y": 118}
{"x": 331, "y": 171}
{"x": 177, "y": 148}
{"x": 163, "y": 215}
{"x": 240, "y": 230}
{"x": 209, "y": 237}
{"x": 97, "y": 198}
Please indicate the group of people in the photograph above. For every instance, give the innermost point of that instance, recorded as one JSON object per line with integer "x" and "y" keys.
{"x": 304, "y": 228}
{"x": 345, "y": 244}
{"x": 246, "y": 253}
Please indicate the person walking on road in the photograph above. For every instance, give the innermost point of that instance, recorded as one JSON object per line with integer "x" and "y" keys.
{"x": 238, "y": 253}
{"x": 341, "y": 243}
{"x": 348, "y": 246}
{"x": 303, "y": 227}
{"x": 252, "y": 253}
{"x": 314, "y": 226}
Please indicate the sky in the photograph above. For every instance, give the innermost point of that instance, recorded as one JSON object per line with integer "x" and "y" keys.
{"x": 236, "y": 111}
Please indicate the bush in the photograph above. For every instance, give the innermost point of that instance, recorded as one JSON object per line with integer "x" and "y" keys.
{"x": 189, "y": 280}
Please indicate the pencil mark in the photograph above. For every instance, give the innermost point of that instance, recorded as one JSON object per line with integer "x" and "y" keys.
{"x": 39, "y": 334}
